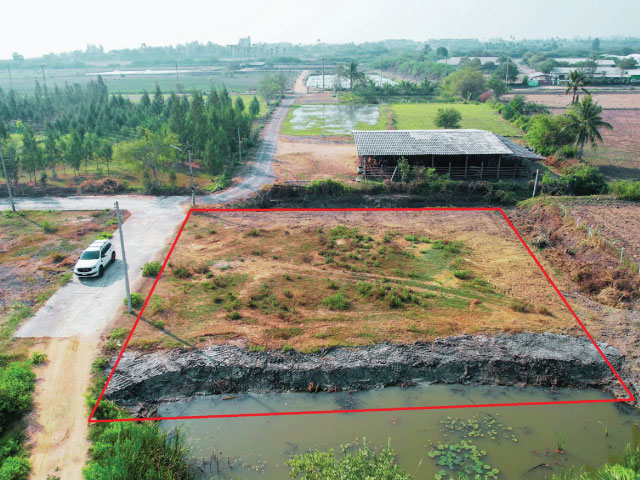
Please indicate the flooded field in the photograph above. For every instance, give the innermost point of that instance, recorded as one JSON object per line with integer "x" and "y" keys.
{"x": 315, "y": 81}
{"x": 520, "y": 442}
{"x": 331, "y": 119}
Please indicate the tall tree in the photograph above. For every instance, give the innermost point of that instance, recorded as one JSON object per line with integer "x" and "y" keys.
{"x": 577, "y": 80}
{"x": 31, "y": 153}
{"x": 50, "y": 151}
{"x": 587, "y": 121}
{"x": 351, "y": 72}
{"x": 254, "y": 107}
{"x": 157, "y": 105}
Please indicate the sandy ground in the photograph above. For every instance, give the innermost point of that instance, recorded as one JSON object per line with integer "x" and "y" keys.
{"x": 319, "y": 98}
{"x": 310, "y": 160}
{"x": 300, "y": 87}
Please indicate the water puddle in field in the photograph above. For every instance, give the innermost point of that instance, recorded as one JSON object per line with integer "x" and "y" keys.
{"x": 333, "y": 119}
{"x": 315, "y": 81}
{"x": 520, "y": 441}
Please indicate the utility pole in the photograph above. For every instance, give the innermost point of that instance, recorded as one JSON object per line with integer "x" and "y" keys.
{"x": 323, "y": 75}
{"x": 124, "y": 259}
{"x": 535, "y": 184}
{"x": 506, "y": 76}
{"x": 380, "y": 71}
{"x": 10, "y": 79}
{"x": 6, "y": 179}
{"x": 176, "y": 71}
{"x": 44, "y": 81}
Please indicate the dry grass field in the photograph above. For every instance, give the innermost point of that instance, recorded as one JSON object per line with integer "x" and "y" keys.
{"x": 310, "y": 280}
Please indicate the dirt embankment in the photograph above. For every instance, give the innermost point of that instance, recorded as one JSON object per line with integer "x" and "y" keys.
{"x": 523, "y": 359}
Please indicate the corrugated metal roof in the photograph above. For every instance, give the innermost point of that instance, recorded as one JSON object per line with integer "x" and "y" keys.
{"x": 519, "y": 150}
{"x": 429, "y": 142}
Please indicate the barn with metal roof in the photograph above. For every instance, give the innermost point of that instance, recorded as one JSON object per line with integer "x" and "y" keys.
{"x": 459, "y": 153}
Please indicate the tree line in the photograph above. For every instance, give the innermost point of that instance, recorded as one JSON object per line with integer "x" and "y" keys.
{"x": 72, "y": 126}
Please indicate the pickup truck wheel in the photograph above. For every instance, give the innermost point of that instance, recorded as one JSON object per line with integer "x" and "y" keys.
{"x": 101, "y": 272}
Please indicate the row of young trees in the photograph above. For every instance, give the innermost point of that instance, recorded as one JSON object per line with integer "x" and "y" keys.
{"x": 75, "y": 125}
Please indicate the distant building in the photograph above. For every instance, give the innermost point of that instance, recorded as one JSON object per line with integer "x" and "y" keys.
{"x": 245, "y": 42}
{"x": 455, "y": 61}
{"x": 458, "y": 153}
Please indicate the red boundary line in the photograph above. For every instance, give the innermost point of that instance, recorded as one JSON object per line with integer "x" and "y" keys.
{"x": 631, "y": 398}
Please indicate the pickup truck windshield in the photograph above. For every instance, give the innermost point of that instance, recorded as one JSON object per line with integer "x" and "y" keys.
{"x": 90, "y": 255}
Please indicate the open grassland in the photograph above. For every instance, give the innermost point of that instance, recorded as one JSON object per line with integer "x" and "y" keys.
{"x": 342, "y": 119}
{"x": 37, "y": 252}
{"x": 607, "y": 100}
{"x": 310, "y": 280}
{"x": 418, "y": 116}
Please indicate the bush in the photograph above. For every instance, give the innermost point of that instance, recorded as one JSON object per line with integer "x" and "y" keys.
{"x": 15, "y": 468}
{"x": 136, "y": 300}
{"x": 127, "y": 450}
{"x": 16, "y": 386}
{"x": 328, "y": 187}
{"x": 151, "y": 269}
{"x": 576, "y": 180}
{"x": 49, "y": 227}
{"x": 626, "y": 190}
{"x": 364, "y": 463}
{"x": 337, "y": 302}
{"x": 462, "y": 274}
{"x": 37, "y": 358}
{"x": 364, "y": 288}
{"x": 447, "y": 118}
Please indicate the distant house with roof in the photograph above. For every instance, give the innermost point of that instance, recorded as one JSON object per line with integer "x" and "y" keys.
{"x": 458, "y": 153}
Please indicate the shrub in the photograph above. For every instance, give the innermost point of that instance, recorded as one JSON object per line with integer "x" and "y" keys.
{"x": 337, "y": 302}
{"x": 104, "y": 236}
{"x": 521, "y": 306}
{"x": 462, "y": 274}
{"x": 16, "y": 386}
{"x": 333, "y": 285}
{"x": 151, "y": 269}
{"x": 447, "y": 118}
{"x": 49, "y": 227}
{"x": 364, "y": 288}
{"x": 126, "y": 450}
{"x": 575, "y": 180}
{"x": 181, "y": 272}
{"x": 37, "y": 358}
{"x": 285, "y": 333}
{"x": 363, "y": 463}
{"x": 15, "y": 468}
{"x": 136, "y": 300}
{"x": 327, "y": 187}
{"x": 626, "y": 190}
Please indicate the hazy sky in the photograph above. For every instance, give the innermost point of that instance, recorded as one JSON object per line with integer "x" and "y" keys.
{"x": 33, "y": 28}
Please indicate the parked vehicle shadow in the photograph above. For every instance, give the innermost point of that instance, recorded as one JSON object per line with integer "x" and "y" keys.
{"x": 112, "y": 274}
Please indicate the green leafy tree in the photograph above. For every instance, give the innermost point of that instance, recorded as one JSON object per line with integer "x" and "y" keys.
{"x": 576, "y": 82}
{"x": 51, "y": 152}
{"x": 212, "y": 158}
{"x": 497, "y": 86}
{"x": 74, "y": 152}
{"x": 153, "y": 151}
{"x": 595, "y": 44}
{"x": 442, "y": 52}
{"x": 448, "y": 118}
{"x": 157, "y": 106}
{"x": 254, "y": 107}
{"x": 586, "y": 120}
{"x": 467, "y": 83}
{"x": 4, "y": 134}
{"x": 31, "y": 153}
{"x": 105, "y": 151}
{"x": 239, "y": 104}
{"x": 547, "y": 134}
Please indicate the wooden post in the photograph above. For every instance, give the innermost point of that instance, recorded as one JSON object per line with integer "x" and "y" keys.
{"x": 364, "y": 168}
{"x": 466, "y": 165}
{"x": 499, "y": 161}
{"x": 535, "y": 187}
{"x": 394, "y": 173}
{"x": 515, "y": 167}
{"x": 481, "y": 169}
{"x": 433, "y": 161}
{"x": 449, "y": 169}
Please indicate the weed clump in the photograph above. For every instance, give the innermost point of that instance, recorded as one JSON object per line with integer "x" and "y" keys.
{"x": 151, "y": 269}
{"x": 462, "y": 274}
{"x": 337, "y": 302}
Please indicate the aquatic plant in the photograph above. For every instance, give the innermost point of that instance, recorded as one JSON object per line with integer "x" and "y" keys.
{"x": 478, "y": 426}
{"x": 462, "y": 459}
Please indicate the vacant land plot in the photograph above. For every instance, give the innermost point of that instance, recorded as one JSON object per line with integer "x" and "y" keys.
{"x": 37, "y": 254}
{"x": 309, "y": 280}
{"x": 417, "y": 116}
{"x": 306, "y": 160}
{"x": 332, "y": 119}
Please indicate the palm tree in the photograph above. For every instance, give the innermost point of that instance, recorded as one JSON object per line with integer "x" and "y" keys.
{"x": 586, "y": 120}
{"x": 351, "y": 72}
{"x": 576, "y": 82}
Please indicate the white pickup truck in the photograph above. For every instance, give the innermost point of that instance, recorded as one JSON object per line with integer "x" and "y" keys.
{"x": 93, "y": 261}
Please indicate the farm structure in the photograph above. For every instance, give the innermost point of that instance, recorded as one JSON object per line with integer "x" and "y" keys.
{"x": 458, "y": 153}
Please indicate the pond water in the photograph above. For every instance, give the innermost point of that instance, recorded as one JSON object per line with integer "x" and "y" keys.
{"x": 332, "y": 119}
{"x": 519, "y": 441}
{"x": 315, "y": 81}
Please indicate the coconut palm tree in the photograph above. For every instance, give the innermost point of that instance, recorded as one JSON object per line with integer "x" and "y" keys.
{"x": 586, "y": 120}
{"x": 576, "y": 82}
{"x": 351, "y": 72}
